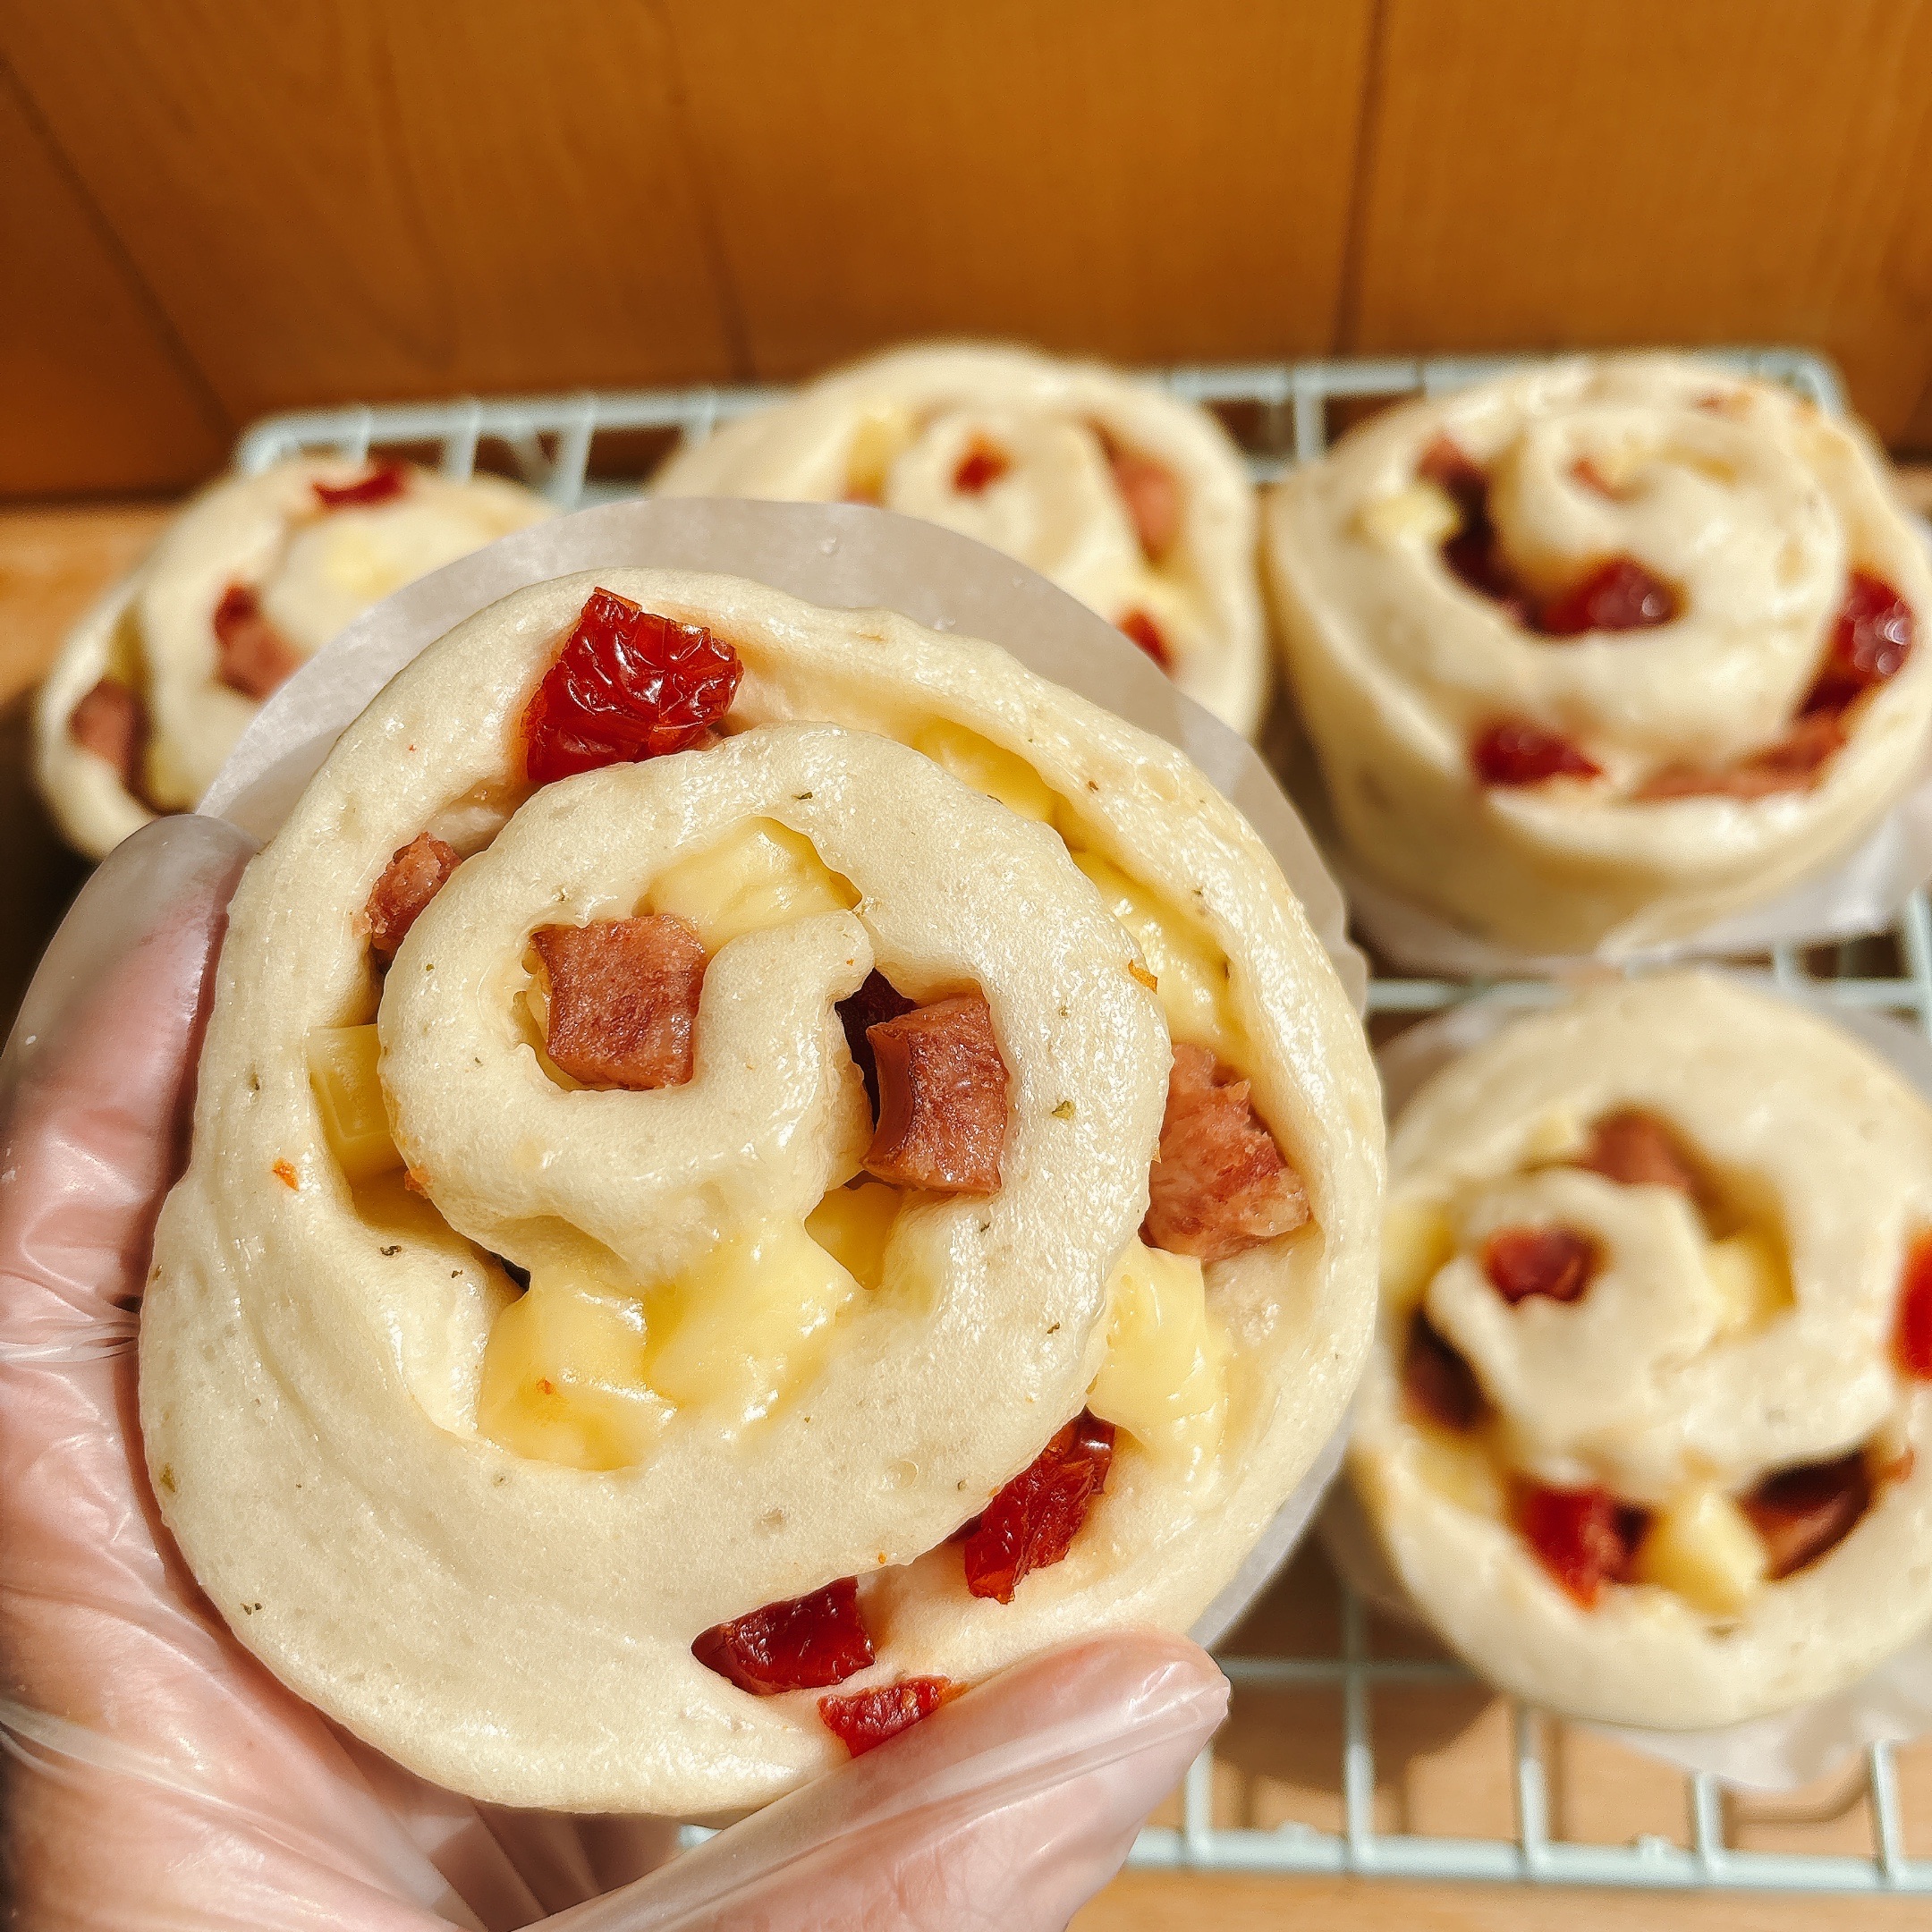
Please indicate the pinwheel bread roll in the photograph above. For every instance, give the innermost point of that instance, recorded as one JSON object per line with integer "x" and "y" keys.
{"x": 1604, "y": 652}
{"x": 153, "y": 686}
{"x": 811, "y": 1077}
{"x": 1644, "y": 1433}
{"x": 1133, "y": 502}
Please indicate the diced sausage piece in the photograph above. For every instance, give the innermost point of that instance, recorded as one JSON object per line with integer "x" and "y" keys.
{"x": 112, "y": 723}
{"x": 1637, "y": 1149}
{"x": 1153, "y": 500}
{"x": 1556, "y": 1262}
{"x": 250, "y": 654}
{"x": 1441, "y": 1386}
{"x": 416, "y": 873}
{"x": 623, "y": 999}
{"x": 942, "y": 1098}
{"x": 1800, "y": 1514}
{"x": 1220, "y": 1184}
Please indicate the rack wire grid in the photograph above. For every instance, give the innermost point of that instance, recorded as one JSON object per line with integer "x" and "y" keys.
{"x": 1282, "y": 414}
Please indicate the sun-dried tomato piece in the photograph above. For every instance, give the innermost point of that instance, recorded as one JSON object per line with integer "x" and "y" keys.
{"x": 1558, "y": 1262}
{"x": 385, "y": 482}
{"x": 416, "y": 873}
{"x": 1872, "y": 639}
{"x": 250, "y": 654}
{"x": 1584, "y": 1537}
{"x": 1912, "y": 1342}
{"x": 804, "y": 1643}
{"x": 112, "y": 723}
{"x": 1221, "y": 1183}
{"x": 942, "y": 1107}
{"x": 1440, "y": 1386}
{"x": 1800, "y": 1514}
{"x": 1033, "y": 1521}
{"x": 877, "y": 1001}
{"x": 867, "y": 1719}
{"x": 1637, "y": 1149}
{"x": 1145, "y": 633}
{"x": 1152, "y": 497}
{"x": 623, "y": 999}
{"x": 1619, "y": 595}
{"x": 1513, "y": 753}
{"x": 628, "y": 685}
{"x": 983, "y": 464}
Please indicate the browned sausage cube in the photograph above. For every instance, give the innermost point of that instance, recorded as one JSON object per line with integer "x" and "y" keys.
{"x": 942, "y": 1098}
{"x": 623, "y": 999}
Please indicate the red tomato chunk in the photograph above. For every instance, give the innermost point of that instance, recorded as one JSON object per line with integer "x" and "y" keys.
{"x": 628, "y": 685}
{"x": 1558, "y": 1262}
{"x": 1912, "y": 1340}
{"x": 250, "y": 654}
{"x": 1871, "y": 641}
{"x": 1152, "y": 497}
{"x": 385, "y": 482}
{"x": 981, "y": 466}
{"x": 112, "y": 723}
{"x": 803, "y": 1644}
{"x": 1618, "y": 595}
{"x": 1584, "y": 1537}
{"x": 1145, "y": 633}
{"x": 1033, "y": 1521}
{"x": 868, "y": 1718}
{"x": 1513, "y": 753}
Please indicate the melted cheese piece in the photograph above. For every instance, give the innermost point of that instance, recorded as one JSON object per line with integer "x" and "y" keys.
{"x": 1418, "y": 1239}
{"x": 749, "y": 1325}
{"x": 564, "y": 1376}
{"x": 1462, "y": 1469}
{"x": 760, "y": 874}
{"x": 1424, "y": 514}
{"x": 879, "y": 435}
{"x": 988, "y": 767}
{"x": 853, "y": 1225}
{"x": 1703, "y": 1547}
{"x": 1165, "y": 1379}
{"x": 1752, "y": 1276}
{"x": 341, "y": 1069}
{"x": 1192, "y": 970}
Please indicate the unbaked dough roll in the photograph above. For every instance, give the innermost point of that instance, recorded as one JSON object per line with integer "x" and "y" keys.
{"x": 153, "y": 687}
{"x": 797, "y": 1404}
{"x": 1601, "y": 653}
{"x": 1645, "y": 1432}
{"x": 1135, "y": 503}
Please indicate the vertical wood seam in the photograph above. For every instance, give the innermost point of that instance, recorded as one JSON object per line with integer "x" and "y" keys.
{"x": 1361, "y": 185}
{"x": 208, "y": 402}
{"x": 710, "y": 234}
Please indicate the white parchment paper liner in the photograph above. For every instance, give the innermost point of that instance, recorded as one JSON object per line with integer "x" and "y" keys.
{"x": 1863, "y": 892}
{"x": 842, "y": 557}
{"x": 1789, "y": 1747}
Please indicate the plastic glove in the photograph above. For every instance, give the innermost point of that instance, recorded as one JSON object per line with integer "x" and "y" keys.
{"x": 159, "y": 1776}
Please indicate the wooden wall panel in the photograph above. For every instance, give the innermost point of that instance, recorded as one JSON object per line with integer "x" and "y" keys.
{"x": 350, "y": 198}
{"x": 1573, "y": 172}
{"x": 1152, "y": 179}
{"x": 93, "y": 395}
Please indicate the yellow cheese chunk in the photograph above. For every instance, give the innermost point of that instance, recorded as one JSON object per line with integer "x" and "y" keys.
{"x": 1554, "y": 1135}
{"x": 1462, "y": 1470}
{"x": 563, "y": 1376}
{"x": 853, "y": 1225}
{"x": 1424, "y": 514}
{"x": 1190, "y": 969}
{"x": 359, "y": 563}
{"x": 878, "y": 437}
{"x": 759, "y": 874}
{"x": 749, "y": 1323}
{"x": 1703, "y": 1547}
{"x": 1752, "y": 1279}
{"x": 1418, "y": 1239}
{"x": 341, "y": 1069}
{"x": 1002, "y": 775}
{"x": 1165, "y": 1379}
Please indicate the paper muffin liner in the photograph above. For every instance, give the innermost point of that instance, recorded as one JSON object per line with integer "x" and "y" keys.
{"x": 1787, "y": 1749}
{"x": 841, "y": 556}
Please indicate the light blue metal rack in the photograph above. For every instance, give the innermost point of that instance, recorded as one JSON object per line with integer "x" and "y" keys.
{"x": 550, "y": 440}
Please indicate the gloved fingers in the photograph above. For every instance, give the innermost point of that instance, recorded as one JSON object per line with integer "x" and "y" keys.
{"x": 1006, "y": 1809}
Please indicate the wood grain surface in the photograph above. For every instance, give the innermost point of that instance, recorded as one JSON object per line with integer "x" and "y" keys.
{"x": 213, "y": 211}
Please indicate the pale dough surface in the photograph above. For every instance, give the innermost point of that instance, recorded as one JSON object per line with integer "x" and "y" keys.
{"x": 1057, "y": 509}
{"x": 1629, "y": 1387}
{"x": 519, "y": 1630}
{"x": 313, "y": 570}
{"x": 1740, "y": 493}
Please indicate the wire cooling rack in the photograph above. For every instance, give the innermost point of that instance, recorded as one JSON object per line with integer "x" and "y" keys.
{"x": 1282, "y": 413}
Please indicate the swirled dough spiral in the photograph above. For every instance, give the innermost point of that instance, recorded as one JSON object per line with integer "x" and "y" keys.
{"x": 904, "y": 429}
{"x": 505, "y": 1596}
{"x": 309, "y": 569}
{"x": 1740, "y": 1323}
{"x": 1751, "y": 516}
